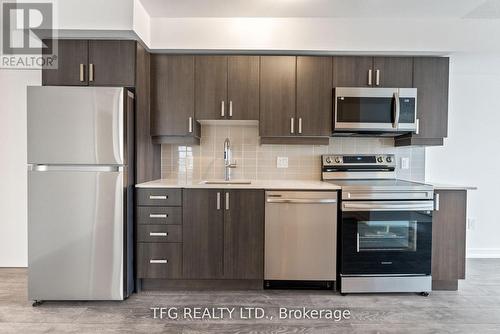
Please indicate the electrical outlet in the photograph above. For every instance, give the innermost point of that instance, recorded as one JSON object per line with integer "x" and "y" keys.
{"x": 282, "y": 162}
{"x": 405, "y": 163}
{"x": 471, "y": 223}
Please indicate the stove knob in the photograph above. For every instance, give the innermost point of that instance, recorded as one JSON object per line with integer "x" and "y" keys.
{"x": 388, "y": 159}
{"x": 337, "y": 160}
{"x": 380, "y": 159}
{"x": 328, "y": 160}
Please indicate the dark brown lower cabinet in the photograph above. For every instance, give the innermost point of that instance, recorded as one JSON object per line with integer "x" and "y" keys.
{"x": 223, "y": 234}
{"x": 203, "y": 234}
{"x": 244, "y": 235}
{"x": 159, "y": 260}
{"x": 448, "y": 239}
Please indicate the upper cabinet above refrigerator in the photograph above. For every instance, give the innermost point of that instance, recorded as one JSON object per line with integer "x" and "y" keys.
{"x": 92, "y": 63}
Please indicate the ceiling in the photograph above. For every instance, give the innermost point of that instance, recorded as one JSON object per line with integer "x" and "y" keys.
{"x": 477, "y": 9}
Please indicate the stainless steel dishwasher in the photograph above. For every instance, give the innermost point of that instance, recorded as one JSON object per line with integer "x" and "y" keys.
{"x": 301, "y": 236}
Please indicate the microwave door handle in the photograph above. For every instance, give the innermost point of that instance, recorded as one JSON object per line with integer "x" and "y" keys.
{"x": 397, "y": 110}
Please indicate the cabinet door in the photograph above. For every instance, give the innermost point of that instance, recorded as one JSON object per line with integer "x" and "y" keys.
{"x": 430, "y": 77}
{"x": 314, "y": 96}
{"x": 172, "y": 94}
{"x": 72, "y": 67}
{"x": 396, "y": 72}
{"x": 448, "y": 239}
{"x": 211, "y": 87}
{"x": 112, "y": 63}
{"x": 277, "y": 96}
{"x": 203, "y": 234}
{"x": 352, "y": 71}
{"x": 244, "y": 234}
{"x": 243, "y": 87}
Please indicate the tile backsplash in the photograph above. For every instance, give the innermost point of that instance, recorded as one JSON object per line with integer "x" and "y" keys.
{"x": 255, "y": 161}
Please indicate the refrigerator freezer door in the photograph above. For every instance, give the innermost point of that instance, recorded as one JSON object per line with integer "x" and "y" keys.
{"x": 76, "y": 125}
{"x": 75, "y": 234}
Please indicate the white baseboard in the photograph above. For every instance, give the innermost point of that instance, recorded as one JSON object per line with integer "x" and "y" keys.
{"x": 485, "y": 253}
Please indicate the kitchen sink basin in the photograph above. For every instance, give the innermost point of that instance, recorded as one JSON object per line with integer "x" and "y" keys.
{"x": 226, "y": 182}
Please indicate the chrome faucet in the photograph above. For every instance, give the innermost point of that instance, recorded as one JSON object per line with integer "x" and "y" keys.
{"x": 227, "y": 160}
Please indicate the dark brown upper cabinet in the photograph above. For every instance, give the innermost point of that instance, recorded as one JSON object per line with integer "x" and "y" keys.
{"x": 92, "y": 63}
{"x": 211, "y": 87}
{"x": 352, "y": 71}
{"x": 277, "y": 96}
{"x": 72, "y": 68}
{"x": 431, "y": 78}
{"x": 172, "y": 97}
{"x": 243, "y": 87}
{"x": 314, "y": 96}
{"x": 363, "y": 71}
{"x": 295, "y": 99}
{"x": 227, "y": 87}
{"x": 393, "y": 72}
{"x": 111, "y": 63}
{"x": 223, "y": 234}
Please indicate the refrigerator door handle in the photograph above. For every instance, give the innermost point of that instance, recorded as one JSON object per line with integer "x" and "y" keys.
{"x": 75, "y": 168}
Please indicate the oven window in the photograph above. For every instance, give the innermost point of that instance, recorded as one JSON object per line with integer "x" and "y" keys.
{"x": 387, "y": 236}
{"x": 365, "y": 109}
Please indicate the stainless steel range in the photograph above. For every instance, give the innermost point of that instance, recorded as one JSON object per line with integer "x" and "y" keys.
{"x": 385, "y": 225}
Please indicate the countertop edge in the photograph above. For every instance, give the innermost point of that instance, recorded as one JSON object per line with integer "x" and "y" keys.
{"x": 302, "y": 185}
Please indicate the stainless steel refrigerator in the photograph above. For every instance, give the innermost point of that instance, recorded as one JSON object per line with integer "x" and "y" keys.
{"x": 80, "y": 186}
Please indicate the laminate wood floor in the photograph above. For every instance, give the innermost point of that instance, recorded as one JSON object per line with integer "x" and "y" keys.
{"x": 475, "y": 308}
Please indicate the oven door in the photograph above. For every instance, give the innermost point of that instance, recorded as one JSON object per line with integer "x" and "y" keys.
{"x": 375, "y": 109}
{"x": 386, "y": 238}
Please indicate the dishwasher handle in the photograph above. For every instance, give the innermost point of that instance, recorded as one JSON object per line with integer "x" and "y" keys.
{"x": 302, "y": 200}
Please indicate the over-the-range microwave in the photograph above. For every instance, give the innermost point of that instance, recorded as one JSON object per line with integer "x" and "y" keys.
{"x": 382, "y": 111}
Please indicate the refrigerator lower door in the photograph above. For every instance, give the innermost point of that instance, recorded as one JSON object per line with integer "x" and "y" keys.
{"x": 76, "y": 233}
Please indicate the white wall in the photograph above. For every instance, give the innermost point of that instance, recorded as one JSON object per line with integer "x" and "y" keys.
{"x": 471, "y": 154}
{"x": 13, "y": 188}
{"x": 326, "y": 34}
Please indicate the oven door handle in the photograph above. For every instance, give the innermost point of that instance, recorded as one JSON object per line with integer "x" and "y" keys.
{"x": 388, "y": 206}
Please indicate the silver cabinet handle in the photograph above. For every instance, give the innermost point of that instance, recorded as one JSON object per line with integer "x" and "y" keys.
{"x": 357, "y": 242}
{"x": 230, "y": 108}
{"x": 417, "y": 126}
{"x": 190, "y": 124}
{"x": 377, "y": 77}
{"x": 227, "y": 201}
{"x": 222, "y": 109}
{"x": 218, "y": 200}
{"x": 82, "y": 72}
{"x": 158, "y": 234}
{"x": 369, "y": 77}
{"x": 291, "y": 125}
{"x": 157, "y": 215}
{"x": 158, "y": 197}
{"x": 158, "y": 261}
{"x": 91, "y": 72}
{"x": 436, "y": 202}
{"x": 300, "y": 124}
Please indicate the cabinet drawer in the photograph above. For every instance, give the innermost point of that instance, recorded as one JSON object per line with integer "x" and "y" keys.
{"x": 159, "y": 233}
{"x": 159, "y": 197}
{"x": 159, "y": 215}
{"x": 159, "y": 260}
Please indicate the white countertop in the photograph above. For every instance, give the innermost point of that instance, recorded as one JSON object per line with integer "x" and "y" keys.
{"x": 272, "y": 185}
{"x": 443, "y": 186}
{"x": 255, "y": 184}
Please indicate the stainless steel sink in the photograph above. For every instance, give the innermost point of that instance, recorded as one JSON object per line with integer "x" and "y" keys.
{"x": 226, "y": 182}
